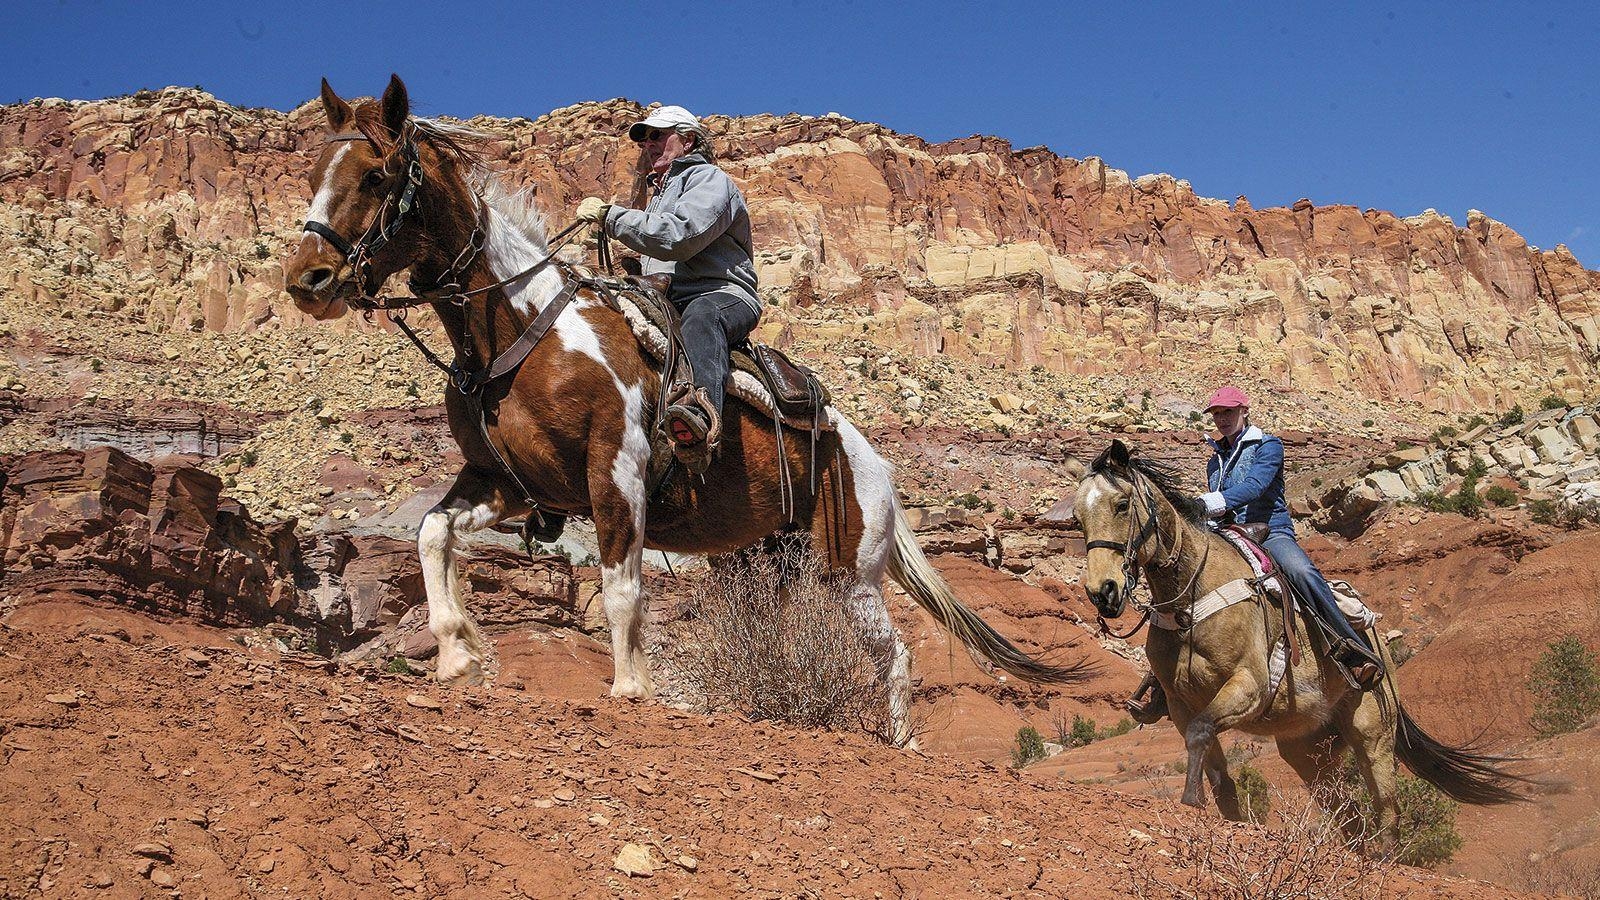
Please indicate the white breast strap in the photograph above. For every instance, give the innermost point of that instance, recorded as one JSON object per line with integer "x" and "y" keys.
{"x": 1211, "y": 603}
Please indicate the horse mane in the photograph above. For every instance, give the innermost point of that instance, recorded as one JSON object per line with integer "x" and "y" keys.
{"x": 463, "y": 147}
{"x": 1168, "y": 479}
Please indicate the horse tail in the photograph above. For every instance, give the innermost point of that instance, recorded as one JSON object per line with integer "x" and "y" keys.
{"x": 909, "y": 567}
{"x": 1466, "y": 773}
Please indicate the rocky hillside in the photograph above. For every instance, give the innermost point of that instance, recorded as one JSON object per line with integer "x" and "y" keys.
{"x": 171, "y": 209}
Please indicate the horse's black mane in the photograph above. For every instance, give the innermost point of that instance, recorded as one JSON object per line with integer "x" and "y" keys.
{"x": 1168, "y": 479}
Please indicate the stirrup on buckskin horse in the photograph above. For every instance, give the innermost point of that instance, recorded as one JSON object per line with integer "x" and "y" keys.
{"x": 1364, "y": 667}
{"x": 1151, "y": 711}
{"x": 694, "y": 427}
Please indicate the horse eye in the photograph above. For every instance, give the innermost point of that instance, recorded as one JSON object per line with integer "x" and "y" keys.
{"x": 1121, "y": 506}
{"x": 374, "y": 178}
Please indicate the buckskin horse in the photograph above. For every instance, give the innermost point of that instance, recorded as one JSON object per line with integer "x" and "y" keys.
{"x": 1211, "y": 649}
{"x": 568, "y": 426}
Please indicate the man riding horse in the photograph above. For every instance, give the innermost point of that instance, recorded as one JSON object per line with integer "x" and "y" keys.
{"x": 695, "y": 228}
{"x": 1244, "y": 479}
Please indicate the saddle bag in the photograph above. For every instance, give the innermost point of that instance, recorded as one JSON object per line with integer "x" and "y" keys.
{"x": 796, "y": 389}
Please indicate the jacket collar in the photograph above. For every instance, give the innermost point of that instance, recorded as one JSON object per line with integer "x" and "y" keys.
{"x": 1251, "y": 434}
{"x": 657, "y": 179}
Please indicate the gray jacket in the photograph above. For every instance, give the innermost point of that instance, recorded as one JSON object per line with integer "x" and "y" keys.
{"x": 695, "y": 228}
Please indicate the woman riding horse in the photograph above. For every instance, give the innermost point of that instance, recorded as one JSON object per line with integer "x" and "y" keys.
{"x": 1244, "y": 479}
{"x": 696, "y": 229}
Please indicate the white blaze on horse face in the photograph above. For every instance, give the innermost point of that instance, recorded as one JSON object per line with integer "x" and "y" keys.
{"x": 321, "y": 209}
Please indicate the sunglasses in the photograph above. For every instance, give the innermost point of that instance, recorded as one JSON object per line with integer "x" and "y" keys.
{"x": 654, "y": 134}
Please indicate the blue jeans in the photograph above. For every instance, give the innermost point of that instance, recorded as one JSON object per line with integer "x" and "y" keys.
{"x": 1295, "y": 566}
{"x": 711, "y": 324}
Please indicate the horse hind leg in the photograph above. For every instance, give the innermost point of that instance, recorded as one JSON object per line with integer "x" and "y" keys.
{"x": 853, "y": 528}
{"x": 472, "y": 503}
{"x": 891, "y": 659}
{"x": 1370, "y": 734}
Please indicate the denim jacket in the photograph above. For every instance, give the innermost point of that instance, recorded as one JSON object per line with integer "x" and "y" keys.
{"x": 1249, "y": 475}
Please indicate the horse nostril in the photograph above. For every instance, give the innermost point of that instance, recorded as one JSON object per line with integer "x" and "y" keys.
{"x": 1108, "y": 589}
{"x": 316, "y": 279}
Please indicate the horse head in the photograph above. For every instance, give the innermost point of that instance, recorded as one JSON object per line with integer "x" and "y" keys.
{"x": 1104, "y": 499}
{"x": 368, "y": 217}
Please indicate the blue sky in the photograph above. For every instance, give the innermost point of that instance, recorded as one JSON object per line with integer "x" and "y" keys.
{"x": 1451, "y": 106}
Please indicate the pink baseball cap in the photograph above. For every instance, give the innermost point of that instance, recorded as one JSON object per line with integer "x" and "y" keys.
{"x": 1227, "y": 397}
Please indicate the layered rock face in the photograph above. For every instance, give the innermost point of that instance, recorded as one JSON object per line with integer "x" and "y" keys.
{"x": 102, "y": 526}
{"x": 174, "y": 208}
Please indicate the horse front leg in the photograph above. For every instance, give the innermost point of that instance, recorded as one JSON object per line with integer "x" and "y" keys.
{"x": 472, "y": 503}
{"x": 1237, "y": 699}
{"x": 617, "y": 494}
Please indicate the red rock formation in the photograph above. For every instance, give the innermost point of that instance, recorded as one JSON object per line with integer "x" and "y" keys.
{"x": 175, "y": 206}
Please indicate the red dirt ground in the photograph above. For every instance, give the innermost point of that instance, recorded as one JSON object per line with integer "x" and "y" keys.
{"x": 149, "y": 759}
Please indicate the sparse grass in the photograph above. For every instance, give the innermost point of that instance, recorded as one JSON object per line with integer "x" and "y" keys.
{"x": 1500, "y": 495}
{"x": 1512, "y": 416}
{"x": 1551, "y": 401}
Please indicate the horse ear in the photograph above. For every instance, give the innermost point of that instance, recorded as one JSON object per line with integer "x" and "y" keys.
{"x": 1113, "y": 458}
{"x": 338, "y": 112}
{"x": 396, "y": 105}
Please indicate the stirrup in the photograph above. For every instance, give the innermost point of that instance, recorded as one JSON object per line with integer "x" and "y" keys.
{"x": 1362, "y": 666}
{"x": 692, "y": 424}
{"x": 1151, "y": 711}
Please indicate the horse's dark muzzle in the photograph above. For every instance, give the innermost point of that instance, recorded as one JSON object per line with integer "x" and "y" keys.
{"x": 1107, "y": 599}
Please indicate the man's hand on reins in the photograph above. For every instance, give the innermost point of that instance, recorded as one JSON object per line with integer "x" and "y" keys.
{"x": 592, "y": 209}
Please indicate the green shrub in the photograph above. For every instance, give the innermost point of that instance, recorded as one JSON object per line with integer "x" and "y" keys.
{"x": 1029, "y": 747}
{"x": 1551, "y": 401}
{"x": 1566, "y": 687}
{"x": 1427, "y": 817}
{"x": 1474, "y": 422}
{"x": 1513, "y": 416}
{"x": 1123, "y": 726}
{"x": 1545, "y": 512}
{"x": 1500, "y": 495}
{"x": 1367, "y": 423}
{"x": 398, "y": 666}
{"x": 1083, "y": 732}
{"x": 1464, "y": 502}
{"x": 1254, "y": 797}
{"x": 1477, "y": 468}
{"x": 1444, "y": 432}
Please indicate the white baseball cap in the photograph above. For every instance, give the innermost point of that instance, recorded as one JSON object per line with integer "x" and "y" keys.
{"x": 667, "y": 118}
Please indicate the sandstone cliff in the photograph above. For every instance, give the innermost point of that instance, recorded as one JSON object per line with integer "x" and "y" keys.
{"x": 172, "y": 208}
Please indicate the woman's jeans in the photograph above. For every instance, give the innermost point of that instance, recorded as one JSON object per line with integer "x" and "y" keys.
{"x": 711, "y": 324}
{"x": 1297, "y": 567}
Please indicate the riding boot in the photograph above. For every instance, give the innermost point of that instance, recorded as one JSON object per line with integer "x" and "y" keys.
{"x": 694, "y": 427}
{"x": 1364, "y": 665}
{"x": 1148, "y": 712}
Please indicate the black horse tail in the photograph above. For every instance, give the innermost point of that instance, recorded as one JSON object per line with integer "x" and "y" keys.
{"x": 1466, "y": 774}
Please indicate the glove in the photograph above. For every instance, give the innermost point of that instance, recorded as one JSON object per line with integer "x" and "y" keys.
{"x": 592, "y": 209}
{"x": 1215, "y": 504}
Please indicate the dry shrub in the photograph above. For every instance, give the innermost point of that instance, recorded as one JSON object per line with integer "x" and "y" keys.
{"x": 1556, "y": 875}
{"x": 1309, "y": 855}
{"x": 771, "y": 635}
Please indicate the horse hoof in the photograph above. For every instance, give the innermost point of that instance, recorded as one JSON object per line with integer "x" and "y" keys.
{"x": 632, "y": 690}
{"x": 468, "y": 676}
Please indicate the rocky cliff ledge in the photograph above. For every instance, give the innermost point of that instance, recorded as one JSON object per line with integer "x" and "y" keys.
{"x": 172, "y": 207}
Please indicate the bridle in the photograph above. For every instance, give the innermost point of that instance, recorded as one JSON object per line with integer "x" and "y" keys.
{"x": 1139, "y": 533}
{"x": 381, "y": 229}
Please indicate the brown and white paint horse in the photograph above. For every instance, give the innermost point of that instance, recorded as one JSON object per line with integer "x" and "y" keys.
{"x": 575, "y": 419}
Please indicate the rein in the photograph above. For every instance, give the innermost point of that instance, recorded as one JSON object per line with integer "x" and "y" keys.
{"x": 1131, "y": 569}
